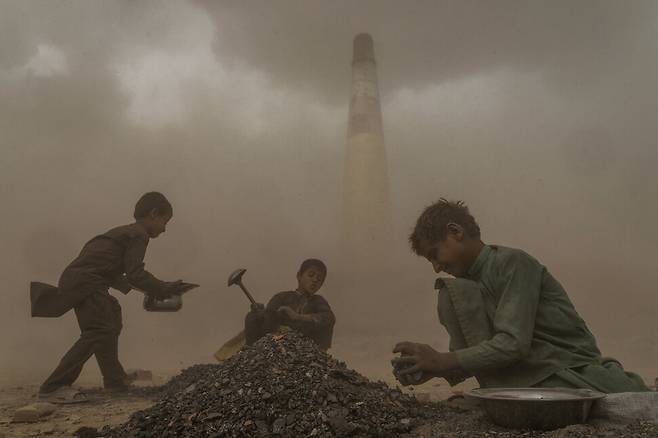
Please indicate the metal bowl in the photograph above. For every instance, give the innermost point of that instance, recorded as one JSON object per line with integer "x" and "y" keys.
{"x": 536, "y": 408}
{"x": 172, "y": 304}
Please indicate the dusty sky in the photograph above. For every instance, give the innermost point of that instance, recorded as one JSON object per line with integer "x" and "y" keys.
{"x": 542, "y": 116}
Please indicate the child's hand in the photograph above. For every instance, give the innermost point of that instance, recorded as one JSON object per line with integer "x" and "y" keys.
{"x": 171, "y": 288}
{"x": 286, "y": 310}
{"x": 417, "y": 378}
{"x": 419, "y": 357}
{"x": 178, "y": 287}
{"x": 258, "y": 307}
{"x": 186, "y": 287}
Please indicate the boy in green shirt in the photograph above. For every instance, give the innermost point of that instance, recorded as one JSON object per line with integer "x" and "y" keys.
{"x": 511, "y": 324}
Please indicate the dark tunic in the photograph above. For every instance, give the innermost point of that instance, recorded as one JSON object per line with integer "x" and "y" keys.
{"x": 105, "y": 258}
{"x": 320, "y": 328}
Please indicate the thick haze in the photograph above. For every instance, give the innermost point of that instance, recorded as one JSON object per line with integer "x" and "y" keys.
{"x": 542, "y": 116}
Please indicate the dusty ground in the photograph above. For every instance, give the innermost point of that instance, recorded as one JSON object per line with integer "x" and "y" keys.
{"x": 100, "y": 410}
{"x": 67, "y": 419}
{"x": 104, "y": 409}
{"x": 19, "y": 389}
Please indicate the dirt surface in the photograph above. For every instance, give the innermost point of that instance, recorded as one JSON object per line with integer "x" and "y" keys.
{"x": 113, "y": 411}
{"x": 20, "y": 390}
{"x": 124, "y": 414}
{"x": 101, "y": 409}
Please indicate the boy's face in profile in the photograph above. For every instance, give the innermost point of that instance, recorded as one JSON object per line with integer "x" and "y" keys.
{"x": 310, "y": 281}
{"x": 448, "y": 255}
{"x": 156, "y": 224}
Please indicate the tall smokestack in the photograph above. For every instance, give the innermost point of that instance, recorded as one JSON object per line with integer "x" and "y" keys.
{"x": 366, "y": 203}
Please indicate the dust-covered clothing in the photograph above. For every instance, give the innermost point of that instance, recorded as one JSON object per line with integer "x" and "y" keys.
{"x": 512, "y": 324}
{"x": 320, "y": 327}
{"x": 105, "y": 259}
{"x": 606, "y": 376}
{"x": 84, "y": 286}
{"x": 99, "y": 318}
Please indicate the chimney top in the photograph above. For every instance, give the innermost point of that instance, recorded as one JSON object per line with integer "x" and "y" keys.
{"x": 363, "y": 48}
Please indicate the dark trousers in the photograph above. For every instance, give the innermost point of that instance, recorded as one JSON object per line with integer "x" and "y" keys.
{"x": 99, "y": 318}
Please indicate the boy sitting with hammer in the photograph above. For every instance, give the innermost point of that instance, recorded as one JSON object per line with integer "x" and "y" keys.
{"x": 511, "y": 323}
{"x": 302, "y": 309}
{"x": 84, "y": 286}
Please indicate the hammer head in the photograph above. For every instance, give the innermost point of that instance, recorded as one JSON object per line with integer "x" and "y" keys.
{"x": 236, "y": 276}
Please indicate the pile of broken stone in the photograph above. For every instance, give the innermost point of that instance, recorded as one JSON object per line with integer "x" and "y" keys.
{"x": 283, "y": 385}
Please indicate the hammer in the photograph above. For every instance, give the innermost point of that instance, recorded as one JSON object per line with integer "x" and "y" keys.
{"x": 236, "y": 278}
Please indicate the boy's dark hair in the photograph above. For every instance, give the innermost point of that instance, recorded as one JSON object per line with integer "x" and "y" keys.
{"x": 313, "y": 263}
{"x": 431, "y": 226}
{"x": 153, "y": 201}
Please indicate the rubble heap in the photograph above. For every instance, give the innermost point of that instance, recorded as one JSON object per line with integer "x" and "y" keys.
{"x": 283, "y": 385}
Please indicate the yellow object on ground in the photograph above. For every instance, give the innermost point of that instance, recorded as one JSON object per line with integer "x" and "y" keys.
{"x": 234, "y": 344}
{"x": 230, "y": 347}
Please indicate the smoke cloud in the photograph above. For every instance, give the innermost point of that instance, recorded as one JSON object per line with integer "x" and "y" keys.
{"x": 541, "y": 116}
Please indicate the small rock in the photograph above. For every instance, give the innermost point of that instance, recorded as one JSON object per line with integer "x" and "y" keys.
{"x": 140, "y": 375}
{"x": 87, "y": 432}
{"x": 33, "y": 412}
{"x": 278, "y": 425}
{"x": 48, "y": 430}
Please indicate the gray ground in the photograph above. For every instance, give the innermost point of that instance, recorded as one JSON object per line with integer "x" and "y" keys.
{"x": 104, "y": 409}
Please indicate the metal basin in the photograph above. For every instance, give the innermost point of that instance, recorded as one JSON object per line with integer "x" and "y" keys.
{"x": 536, "y": 408}
{"x": 171, "y": 304}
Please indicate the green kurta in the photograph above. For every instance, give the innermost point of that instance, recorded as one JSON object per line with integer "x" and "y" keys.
{"x": 512, "y": 324}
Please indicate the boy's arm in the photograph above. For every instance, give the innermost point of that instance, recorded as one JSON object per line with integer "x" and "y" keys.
{"x": 271, "y": 314}
{"x": 320, "y": 316}
{"x": 136, "y": 275}
{"x": 514, "y": 320}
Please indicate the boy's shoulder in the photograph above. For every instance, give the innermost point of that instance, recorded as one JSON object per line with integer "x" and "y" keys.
{"x": 129, "y": 231}
{"x": 283, "y": 296}
{"x": 293, "y": 295}
{"x": 505, "y": 255}
{"x": 285, "y": 293}
{"x": 506, "y": 251}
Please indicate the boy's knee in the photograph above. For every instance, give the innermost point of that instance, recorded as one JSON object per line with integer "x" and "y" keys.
{"x": 254, "y": 328}
{"x": 100, "y": 334}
